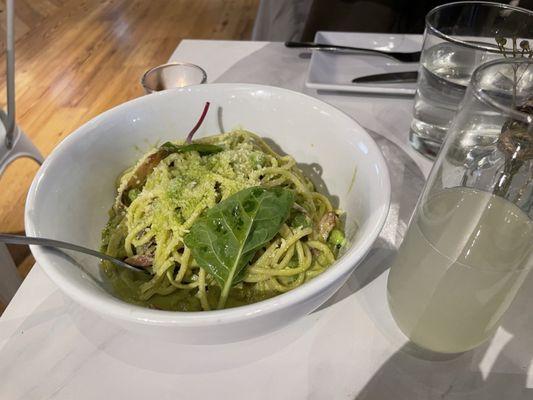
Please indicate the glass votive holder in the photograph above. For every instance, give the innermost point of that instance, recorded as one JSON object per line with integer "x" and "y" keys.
{"x": 172, "y": 75}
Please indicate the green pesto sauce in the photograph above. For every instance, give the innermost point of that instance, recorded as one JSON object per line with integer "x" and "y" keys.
{"x": 125, "y": 284}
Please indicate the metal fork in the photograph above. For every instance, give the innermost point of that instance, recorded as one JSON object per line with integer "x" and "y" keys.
{"x": 398, "y": 56}
{"x": 19, "y": 239}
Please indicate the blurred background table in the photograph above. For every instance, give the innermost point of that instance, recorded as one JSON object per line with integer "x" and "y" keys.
{"x": 348, "y": 349}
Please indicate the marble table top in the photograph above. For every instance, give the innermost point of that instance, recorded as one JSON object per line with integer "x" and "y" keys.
{"x": 350, "y": 348}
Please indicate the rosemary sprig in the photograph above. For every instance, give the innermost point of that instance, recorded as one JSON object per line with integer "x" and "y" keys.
{"x": 515, "y": 140}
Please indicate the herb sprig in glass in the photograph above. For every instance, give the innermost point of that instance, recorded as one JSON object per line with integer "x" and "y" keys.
{"x": 515, "y": 140}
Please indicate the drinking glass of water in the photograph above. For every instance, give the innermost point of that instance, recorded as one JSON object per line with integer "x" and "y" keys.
{"x": 458, "y": 37}
{"x": 469, "y": 245}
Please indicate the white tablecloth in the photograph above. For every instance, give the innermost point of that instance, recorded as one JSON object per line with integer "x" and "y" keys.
{"x": 350, "y": 348}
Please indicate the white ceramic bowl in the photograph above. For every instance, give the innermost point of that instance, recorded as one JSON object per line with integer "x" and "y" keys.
{"x": 75, "y": 187}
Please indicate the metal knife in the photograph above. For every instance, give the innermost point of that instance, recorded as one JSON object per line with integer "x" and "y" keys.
{"x": 391, "y": 77}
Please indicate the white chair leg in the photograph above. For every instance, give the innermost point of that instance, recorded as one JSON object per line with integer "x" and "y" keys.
{"x": 10, "y": 279}
{"x": 19, "y": 146}
{"x": 22, "y": 147}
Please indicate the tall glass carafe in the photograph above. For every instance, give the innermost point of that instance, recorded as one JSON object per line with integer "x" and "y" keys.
{"x": 469, "y": 245}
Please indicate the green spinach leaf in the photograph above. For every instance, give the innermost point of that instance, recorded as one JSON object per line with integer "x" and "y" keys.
{"x": 202, "y": 148}
{"x": 226, "y": 237}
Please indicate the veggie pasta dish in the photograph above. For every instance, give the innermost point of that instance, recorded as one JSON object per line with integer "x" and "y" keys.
{"x": 217, "y": 222}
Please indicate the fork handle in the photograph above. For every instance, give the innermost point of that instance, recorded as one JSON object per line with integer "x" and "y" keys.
{"x": 313, "y": 45}
{"x": 19, "y": 239}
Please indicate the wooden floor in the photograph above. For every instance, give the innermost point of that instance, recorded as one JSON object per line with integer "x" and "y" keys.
{"x": 75, "y": 59}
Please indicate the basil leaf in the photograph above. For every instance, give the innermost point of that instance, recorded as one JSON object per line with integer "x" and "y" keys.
{"x": 202, "y": 148}
{"x": 227, "y": 236}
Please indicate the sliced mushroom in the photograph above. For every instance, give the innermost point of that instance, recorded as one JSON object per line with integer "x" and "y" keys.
{"x": 326, "y": 225}
{"x": 148, "y": 249}
{"x": 139, "y": 176}
{"x": 140, "y": 260}
{"x": 298, "y": 207}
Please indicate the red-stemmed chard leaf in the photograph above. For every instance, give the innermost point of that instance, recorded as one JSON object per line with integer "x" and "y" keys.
{"x": 198, "y": 124}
